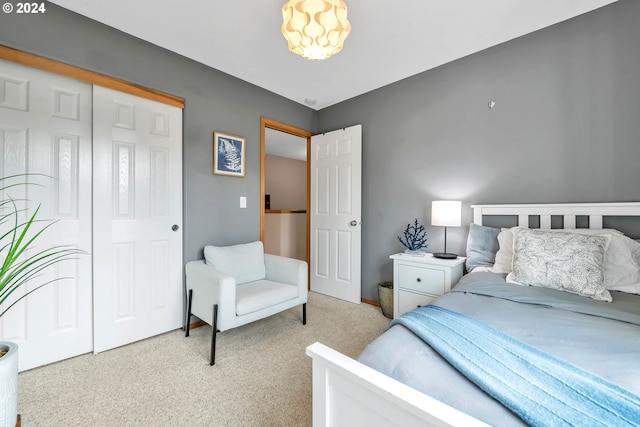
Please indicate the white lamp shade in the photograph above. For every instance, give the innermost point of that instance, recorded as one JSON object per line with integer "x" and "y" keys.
{"x": 446, "y": 213}
{"x": 315, "y": 29}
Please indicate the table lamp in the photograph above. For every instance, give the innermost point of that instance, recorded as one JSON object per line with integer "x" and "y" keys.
{"x": 446, "y": 213}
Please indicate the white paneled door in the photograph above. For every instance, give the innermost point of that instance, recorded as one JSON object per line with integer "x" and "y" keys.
{"x": 137, "y": 160}
{"x": 114, "y": 185}
{"x": 336, "y": 170}
{"x": 45, "y": 130}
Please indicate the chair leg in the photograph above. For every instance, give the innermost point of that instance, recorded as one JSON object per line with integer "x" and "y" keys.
{"x": 213, "y": 335}
{"x": 188, "y": 319}
{"x": 304, "y": 313}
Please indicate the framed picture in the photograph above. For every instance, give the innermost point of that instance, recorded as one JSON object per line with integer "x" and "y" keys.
{"x": 228, "y": 155}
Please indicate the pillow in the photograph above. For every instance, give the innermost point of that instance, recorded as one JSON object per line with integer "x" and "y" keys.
{"x": 244, "y": 262}
{"x": 569, "y": 262}
{"x": 482, "y": 245}
{"x": 622, "y": 261}
{"x": 504, "y": 256}
{"x": 622, "y": 267}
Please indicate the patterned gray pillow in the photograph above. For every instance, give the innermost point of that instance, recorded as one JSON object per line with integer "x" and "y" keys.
{"x": 564, "y": 261}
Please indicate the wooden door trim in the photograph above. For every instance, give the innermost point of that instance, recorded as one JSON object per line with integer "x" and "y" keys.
{"x": 266, "y": 123}
{"x": 55, "y": 67}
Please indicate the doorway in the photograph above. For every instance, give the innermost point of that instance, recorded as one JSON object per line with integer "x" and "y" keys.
{"x": 285, "y": 214}
{"x": 334, "y": 254}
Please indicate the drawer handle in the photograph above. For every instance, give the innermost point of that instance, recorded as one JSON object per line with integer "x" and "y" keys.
{"x": 418, "y": 280}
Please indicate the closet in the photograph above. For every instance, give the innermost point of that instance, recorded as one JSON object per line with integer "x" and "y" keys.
{"x": 108, "y": 169}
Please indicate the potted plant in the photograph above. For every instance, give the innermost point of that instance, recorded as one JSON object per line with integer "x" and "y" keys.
{"x": 21, "y": 262}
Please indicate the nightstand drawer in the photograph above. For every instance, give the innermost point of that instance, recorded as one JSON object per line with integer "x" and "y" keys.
{"x": 407, "y": 301}
{"x": 421, "y": 279}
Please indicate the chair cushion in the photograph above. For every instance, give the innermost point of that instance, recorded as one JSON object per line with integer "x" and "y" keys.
{"x": 254, "y": 296}
{"x": 244, "y": 262}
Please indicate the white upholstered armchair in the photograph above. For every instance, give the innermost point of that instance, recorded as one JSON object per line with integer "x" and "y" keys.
{"x": 239, "y": 284}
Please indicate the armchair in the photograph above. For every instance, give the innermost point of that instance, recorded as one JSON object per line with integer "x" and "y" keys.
{"x": 239, "y": 284}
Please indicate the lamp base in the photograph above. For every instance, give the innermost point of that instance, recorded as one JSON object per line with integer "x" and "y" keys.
{"x": 445, "y": 255}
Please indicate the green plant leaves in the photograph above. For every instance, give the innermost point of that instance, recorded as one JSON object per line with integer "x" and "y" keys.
{"x": 19, "y": 268}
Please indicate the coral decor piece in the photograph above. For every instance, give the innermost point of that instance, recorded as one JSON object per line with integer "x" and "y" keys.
{"x": 415, "y": 237}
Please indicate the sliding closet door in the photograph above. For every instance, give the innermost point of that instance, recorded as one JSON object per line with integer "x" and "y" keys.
{"x": 45, "y": 128}
{"x": 137, "y": 158}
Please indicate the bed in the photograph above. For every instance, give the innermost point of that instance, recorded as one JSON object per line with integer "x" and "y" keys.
{"x": 579, "y": 316}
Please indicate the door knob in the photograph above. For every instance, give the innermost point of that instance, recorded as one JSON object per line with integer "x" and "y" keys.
{"x": 353, "y": 223}
{"x": 175, "y": 227}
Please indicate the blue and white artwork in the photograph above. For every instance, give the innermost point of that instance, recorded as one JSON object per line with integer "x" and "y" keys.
{"x": 229, "y": 155}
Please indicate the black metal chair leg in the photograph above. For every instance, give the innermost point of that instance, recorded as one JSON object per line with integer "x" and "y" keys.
{"x": 304, "y": 313}
{"x": 213, "y": 335}
{"x": 188, "y": 319}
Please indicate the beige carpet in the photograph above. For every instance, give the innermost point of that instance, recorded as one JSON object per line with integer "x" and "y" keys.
{"x": 262, "y": 375}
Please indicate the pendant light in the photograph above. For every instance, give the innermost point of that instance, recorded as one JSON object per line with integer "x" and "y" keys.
{"x": 315, "y": 29}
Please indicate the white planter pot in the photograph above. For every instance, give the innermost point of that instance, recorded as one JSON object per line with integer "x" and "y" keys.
{"x": 9, "y": 385}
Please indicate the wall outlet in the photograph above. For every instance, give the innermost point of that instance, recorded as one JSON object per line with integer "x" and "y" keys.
{"x": 243, "y": 202}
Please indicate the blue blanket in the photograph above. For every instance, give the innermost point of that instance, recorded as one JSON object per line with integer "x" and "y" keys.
{"x": 540, "y": 388}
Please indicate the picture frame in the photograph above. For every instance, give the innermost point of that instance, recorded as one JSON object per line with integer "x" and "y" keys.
{"x": 229, "y": 155}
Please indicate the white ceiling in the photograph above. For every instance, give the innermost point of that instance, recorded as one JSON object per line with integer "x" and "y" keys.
{"x": 389, "y": 40}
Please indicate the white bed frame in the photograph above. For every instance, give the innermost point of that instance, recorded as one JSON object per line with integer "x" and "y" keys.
{"x": 348, "y": 393}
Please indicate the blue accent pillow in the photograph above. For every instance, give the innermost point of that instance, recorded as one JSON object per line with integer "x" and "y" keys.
{"x": 482, "y": 245}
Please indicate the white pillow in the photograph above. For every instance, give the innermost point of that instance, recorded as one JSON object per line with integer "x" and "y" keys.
{"x": 504, "y": 256}
{"x": 244, "y": 262}
{"x": 569, "y": 262}
{"x": 622, "y": 267}
{"x": 622, "y": 261}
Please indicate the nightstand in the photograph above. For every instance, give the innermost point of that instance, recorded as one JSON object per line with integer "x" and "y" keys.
{"x": 418, "y": 280}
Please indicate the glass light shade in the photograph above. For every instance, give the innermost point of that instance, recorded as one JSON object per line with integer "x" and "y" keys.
{"x": 446, "y": 213}
{"x": 315, "y": 29}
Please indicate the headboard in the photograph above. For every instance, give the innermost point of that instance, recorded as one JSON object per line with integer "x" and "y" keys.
{"x": 568, "y": 211}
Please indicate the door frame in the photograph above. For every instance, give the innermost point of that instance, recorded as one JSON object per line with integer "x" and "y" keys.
{"x": 266, "y": 123}
{"x": 77, "y": 73}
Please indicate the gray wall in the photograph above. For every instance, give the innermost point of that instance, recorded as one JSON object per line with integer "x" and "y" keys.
{"x": 565, "y": 128}
{"x": 213, "y": 101}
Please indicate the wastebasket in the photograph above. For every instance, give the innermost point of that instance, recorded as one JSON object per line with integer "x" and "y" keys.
{"x": 385, "y": 296}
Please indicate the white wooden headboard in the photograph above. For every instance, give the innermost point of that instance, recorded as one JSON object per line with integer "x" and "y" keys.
{"x": 569, "y": 211}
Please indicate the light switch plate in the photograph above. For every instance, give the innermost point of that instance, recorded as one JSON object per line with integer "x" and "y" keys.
{"x": 243, "y": 202}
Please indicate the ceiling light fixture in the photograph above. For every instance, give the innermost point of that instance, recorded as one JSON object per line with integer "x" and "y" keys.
{"x": 315, "y": 29}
